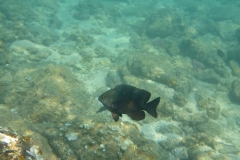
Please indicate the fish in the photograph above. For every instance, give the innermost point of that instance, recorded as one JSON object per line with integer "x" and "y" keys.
{"x": 127, "y": 99}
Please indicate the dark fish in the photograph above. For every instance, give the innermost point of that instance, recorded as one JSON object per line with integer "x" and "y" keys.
{"x": 126, "y": 99}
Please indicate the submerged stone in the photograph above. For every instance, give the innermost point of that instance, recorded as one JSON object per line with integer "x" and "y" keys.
{"x": 210, "y": 128}
{"x": 235, "y": 90}
{"x": 238, "y": 34}
{"x": 171, "y": 141}
{"x": 71, "y": 136}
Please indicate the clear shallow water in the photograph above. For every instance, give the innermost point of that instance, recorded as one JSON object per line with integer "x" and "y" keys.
{"x": 57, "y": 57}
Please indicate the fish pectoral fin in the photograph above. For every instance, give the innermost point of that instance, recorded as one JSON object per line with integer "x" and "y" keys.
{"x": 115, "y": 116}
{"x": 138, "y": 115}
{"x": 101, "y": 109}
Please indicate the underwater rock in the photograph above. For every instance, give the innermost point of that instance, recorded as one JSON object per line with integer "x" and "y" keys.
{"x": 179, "y": 99}
{"x": 213, "y": 110}
{"x": 64, "y": 52}
{"x": 201, "y": 54}
{"x": 235, "y": 90}
{"x": 114, "y": 13}
{"x": 136, "y": 41}
{"x": 210, "y": 105}
{"x": 2, "y": 17}
{"x": 59, "y": 98}
{"x": 113, "y": 79}
{"x": 15, "y": 146}
{"x": 123, "y": 71}
{"x": 233, "y": 54}
{"x": 143, "y": 66}
{"x": 130, "y": 79}
{"x": 210, "y": 128}
{"x": 207, "y": 25}
{"x": 166, "y": 109}
{"x": 168, "y": 128}
{"x": 238, "y": 34}
{"x": 191, "y": 32}
{"x": 235, "y": 68}
{"x": 15, "y": 30}
{"x": 198, "y": 118}
{"x": 163, "y": 133}
{"x": 85, "y": 9}
{"x": 81, "y": 15}
{"x": 61, "y": 148}
{"x": 228, "y": 11}
{"x": 81, "y": 40}
{"x": 4, "y": 58}
{"x": 198, "y": 139}
{"x": 209, "y": 76}
{"x": 185, "y": 88}
{"x": 222, "y": 70}
{"x": 163, "y": 23}
{"x": 42, "y": 55}
{"x": 101, "y": 51}
{"x": 106, "y": 62}
{"x": 180, "y": 152}
{"x": 2, "y": 45}
{"x": 125, "y": 144}
{"x": 202, "y": 94}
{"x": 32, "y": 50}
{"x": 170, "y": 142}
{"x": 201, "y": 152}
{"x": 197, "y": 65}
{"x": 87, "y": 57}
{"x": 41, "y": 86}
{"x": 55, "y": 23}
{"x": 35, "y": 150}
{"x": 181, "y": 116}
{"x": 71, "y": 136}
{"x": 13, "y": 11}
{"x": 159, "y": 43}
{"x": 221, "y": 53}
{"x": 226, "y": 148}
{"x": 171, "y": 47}
{"x": 193, "y": 48}
{"x": 40, "y": 34}
{"x": 180, "y": 76}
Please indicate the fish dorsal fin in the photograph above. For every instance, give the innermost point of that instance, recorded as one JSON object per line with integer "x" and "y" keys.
{"x": 126, "y": 92}
{"x": 123, "y": 92}
{"x": 125, "y": 87}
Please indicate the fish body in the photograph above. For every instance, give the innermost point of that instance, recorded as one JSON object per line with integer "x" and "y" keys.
{"x": 126, "y": 99}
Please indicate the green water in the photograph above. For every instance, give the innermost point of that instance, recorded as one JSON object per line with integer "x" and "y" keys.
{"x": 58, "y": 56}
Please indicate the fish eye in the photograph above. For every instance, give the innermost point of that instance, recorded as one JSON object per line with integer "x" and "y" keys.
{"x": 103, "y": 97}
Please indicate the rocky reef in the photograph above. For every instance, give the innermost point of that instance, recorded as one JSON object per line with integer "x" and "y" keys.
{"x": 57, "y": 110}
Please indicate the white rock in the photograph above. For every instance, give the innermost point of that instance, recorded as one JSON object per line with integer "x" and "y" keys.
{"x": 71, "y": 136}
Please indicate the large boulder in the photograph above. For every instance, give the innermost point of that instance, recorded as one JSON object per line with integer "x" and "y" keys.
{"x": 235, "y": 91}
{"x": 238, "y": 34}
{"x": 163, "y": 23}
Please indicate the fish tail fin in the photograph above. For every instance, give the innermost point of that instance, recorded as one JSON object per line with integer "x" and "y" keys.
{"x": 151, "y": 107}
